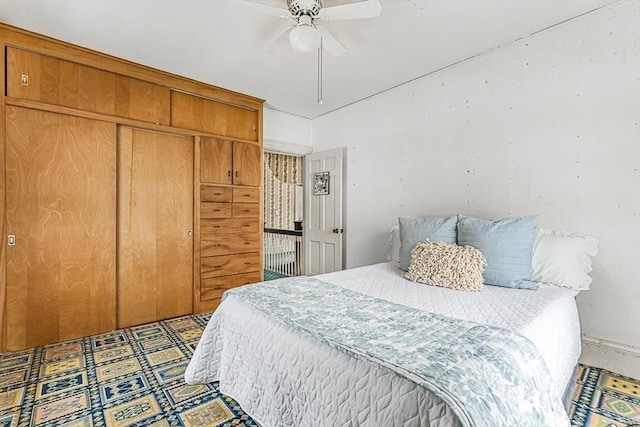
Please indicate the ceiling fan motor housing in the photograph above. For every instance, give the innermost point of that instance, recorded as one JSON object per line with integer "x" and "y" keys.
{"x": 304, "y": 7}
{"x": 305, "y": 35}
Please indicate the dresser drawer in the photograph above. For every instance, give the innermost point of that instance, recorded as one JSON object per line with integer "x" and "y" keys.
{"x": 215, "y": 210}
{"x": 210, "y": 193}
{"x": 229, "y": 244}
{"x": 214, "y": 288}
{"x": 246, "y": 195}
{"x": 210, "y": 226}
{"x": 246, "y": 210}
{"x": 229, "y": 264}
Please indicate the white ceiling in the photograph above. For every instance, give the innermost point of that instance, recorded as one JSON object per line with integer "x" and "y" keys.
{"x": 209, "y": 41}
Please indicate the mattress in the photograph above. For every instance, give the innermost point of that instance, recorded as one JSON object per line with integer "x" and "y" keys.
{"x": 533, "y": 314}
{"x": 283, "y": 377}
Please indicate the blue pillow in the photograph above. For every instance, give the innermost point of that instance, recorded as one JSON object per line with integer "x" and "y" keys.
{"x": 418, "y": 230}
{"x": 507, "y": 245}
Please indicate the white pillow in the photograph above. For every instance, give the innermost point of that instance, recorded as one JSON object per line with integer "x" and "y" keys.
{"x": 394, "y": 240}
{"x": 563, "y": 259}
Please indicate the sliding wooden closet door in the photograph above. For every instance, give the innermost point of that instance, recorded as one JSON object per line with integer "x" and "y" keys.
{"x": 155, "y": 223}
{"x": 61, "y": 208}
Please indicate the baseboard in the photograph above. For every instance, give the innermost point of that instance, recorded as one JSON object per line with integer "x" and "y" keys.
{"x": 620, "y": 358}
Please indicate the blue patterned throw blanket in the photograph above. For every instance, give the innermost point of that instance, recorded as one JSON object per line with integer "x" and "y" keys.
{"x": 489, "y": 376}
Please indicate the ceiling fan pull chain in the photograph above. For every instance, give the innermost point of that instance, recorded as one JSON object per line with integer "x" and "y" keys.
{"x": 320, "y": 72}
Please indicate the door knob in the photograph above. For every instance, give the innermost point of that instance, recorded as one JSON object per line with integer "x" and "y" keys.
{"x": 338, "y": 230}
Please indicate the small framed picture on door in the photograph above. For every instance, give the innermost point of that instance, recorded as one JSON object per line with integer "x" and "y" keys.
{"x": 320, "y": 183}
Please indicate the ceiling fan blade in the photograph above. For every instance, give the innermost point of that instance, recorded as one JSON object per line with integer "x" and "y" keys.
{"x": 279, "y": 34}
{"x": 259, "y": 8}
{"x": 333, "y": 46}
{"x": 363, "y": 9}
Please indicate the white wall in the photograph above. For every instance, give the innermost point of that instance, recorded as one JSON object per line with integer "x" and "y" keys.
{"x": 545, "y": 126}
{"x": 286, "y": 133}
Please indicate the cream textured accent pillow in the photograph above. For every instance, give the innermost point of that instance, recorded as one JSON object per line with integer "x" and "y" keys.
{"x": 447, "y": 265}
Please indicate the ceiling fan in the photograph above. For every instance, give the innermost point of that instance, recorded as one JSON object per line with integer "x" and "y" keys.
{"x": 305, "y": 35}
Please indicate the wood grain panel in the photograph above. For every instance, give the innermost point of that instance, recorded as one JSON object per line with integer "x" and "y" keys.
{"x": 214, "y": 288}
{"x": 140, "y": 100}
{"x": 207, "y": 305}
{"x": 210, "y": 193}
{"x": 216, "y": 157}
{"x": 247, "y": 164}
{"x": 94, "y": 89}
{"x": 193, "y": 112}
{"x": 68, "y": 84}
{"x": 155, "y": 216}
{"x": 229, "y": 264}
{"x": 215, "y": 210}
{"x": 241, "y": 123}
{"x": 209, "y": 226}
{"x": 206, "y": 115}
{"x": 61, "y": 205}
{"x": 246, "y": 194}
{"x": 229, "y": 244}
{"x": 3, "y": 212}
{"x": 195, "y": 291}
{"x": 245, "y": 210}
{"x": 48, "y": 46}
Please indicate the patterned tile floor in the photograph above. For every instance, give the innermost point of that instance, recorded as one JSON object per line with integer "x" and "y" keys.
{"x": 129, "y": 377}
{"x": 605, "y": 399}
{"x": 134, "y": 377}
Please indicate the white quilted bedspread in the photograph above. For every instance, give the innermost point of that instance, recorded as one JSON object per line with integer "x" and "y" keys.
{"x": 285, "y": 378}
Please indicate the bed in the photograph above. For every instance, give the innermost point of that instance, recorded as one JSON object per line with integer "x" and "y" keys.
{"x": 282, "y": 350}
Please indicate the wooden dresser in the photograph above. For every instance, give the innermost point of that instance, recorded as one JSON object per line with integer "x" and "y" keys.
{"x": 230, "y": 217}
{"x": 130, "y": 195}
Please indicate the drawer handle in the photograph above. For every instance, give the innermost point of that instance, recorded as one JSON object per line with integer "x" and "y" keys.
{"x": 217, "y": 266}
{"x": 216, "y": 210}
{"x": 216, "y": 246}
{"x": 247, "y": 263}
{"x": 246, "y": 210}
{"x": 246, "y": 225}
{"x": 247, "y": 243}
{"x": 217, "y": 194}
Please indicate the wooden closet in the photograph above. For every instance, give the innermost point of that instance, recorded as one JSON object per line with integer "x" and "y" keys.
{"x": 130, "y": 195}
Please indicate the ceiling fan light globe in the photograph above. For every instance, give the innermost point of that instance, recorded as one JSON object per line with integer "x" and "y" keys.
{"x": 304, "y": 38}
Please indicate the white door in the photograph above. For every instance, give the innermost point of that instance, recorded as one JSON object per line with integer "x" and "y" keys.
{"x": 323, "y": 212}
